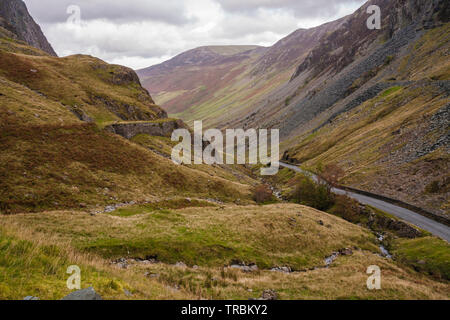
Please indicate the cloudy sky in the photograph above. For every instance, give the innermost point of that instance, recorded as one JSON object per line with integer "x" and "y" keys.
{"x": 140, "y": 33}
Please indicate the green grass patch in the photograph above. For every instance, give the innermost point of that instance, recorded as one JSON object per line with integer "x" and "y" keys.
{"x": 390, "y": 91}
{"x": 161, "y": 207}
{"x": 430, "y": 255}
{"x": 30, "y": 269}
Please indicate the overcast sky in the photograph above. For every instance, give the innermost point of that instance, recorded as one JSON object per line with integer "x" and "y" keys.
{"x": 141, "y": 33}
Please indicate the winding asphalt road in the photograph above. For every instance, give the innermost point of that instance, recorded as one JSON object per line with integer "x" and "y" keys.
{"x": 434, "y": 227}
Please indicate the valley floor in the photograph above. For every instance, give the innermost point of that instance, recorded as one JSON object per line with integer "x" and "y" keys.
{"x": 208, "y": 252}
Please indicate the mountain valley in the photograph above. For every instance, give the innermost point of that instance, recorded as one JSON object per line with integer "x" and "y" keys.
{"x": 87, "y": 180}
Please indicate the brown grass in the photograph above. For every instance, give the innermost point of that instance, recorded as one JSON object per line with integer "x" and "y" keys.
{"x": 51, "y": 166}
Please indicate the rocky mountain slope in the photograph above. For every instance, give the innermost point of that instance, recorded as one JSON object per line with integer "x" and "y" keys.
{"x": 352, "y": 57}
{"x": 196, "y": 75}
{"x": 315, "y": 80}
{"x": 15, "y": 18}
{"x": 387, "y": 98}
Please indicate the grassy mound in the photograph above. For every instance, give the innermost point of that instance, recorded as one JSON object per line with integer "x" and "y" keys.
{"x": 83, "y": 85}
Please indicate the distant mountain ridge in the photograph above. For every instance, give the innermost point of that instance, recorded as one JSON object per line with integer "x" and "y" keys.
{"x": 216, "y": 82}
{"x": 192, "y": 74}
{"x": 15, "y": 18}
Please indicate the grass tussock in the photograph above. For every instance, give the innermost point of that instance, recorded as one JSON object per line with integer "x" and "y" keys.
{"x": 35, "y": 264}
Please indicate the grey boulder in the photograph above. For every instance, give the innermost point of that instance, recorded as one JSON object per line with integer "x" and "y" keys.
{"x": 85, "y": 294}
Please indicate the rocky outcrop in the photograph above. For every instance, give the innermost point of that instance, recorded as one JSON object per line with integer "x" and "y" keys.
{"x": 341, "y": 47}
{"x": 118, "y": 75}
{"x": 159, "y": 128}
{"x": 15, "y": 18}
{"x": 122, "y": 76}
{"x": 129, "y": 112}
{"x": 379, "y": 222}
{"x": 400, "y": 228}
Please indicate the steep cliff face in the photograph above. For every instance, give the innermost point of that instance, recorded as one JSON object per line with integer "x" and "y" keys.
{"x": 15, "y": 18}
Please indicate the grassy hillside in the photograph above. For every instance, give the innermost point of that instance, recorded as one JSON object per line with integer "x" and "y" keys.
{"x": 209, "y": 236}
{"x": 428, "y": 254}
{"x": 36, "y": 264}
{"x": 196, "y": 77}
{"x": 207, "y": 240}
{"x": 51, "y": 166}
{"x": 56, "y": 155}
{"x": 86, "y": 87}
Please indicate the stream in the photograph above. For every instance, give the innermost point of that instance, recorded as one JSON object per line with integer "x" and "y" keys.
{"x": 384, "y": 252}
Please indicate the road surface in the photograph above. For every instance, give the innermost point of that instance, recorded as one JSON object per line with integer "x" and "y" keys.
{"x": 434, "y": 227}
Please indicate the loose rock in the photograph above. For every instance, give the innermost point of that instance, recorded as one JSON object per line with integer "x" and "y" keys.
{"x": 346, "y": 252}
{"x": 180, "y": 265}
{"x": 245, "y": 268}
{"x": 269, "y": 295}
{"x": 127, "y": 293}
{"x": 85, "y": 294}
{"x": 281, "y": 269}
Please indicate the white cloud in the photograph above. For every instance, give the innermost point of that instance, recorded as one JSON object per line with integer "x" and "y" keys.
{"x": 141, "y": 33}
